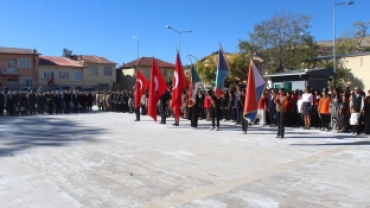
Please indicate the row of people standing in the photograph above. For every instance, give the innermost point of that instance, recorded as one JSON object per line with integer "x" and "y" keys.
{"x": 51, "y": 102}
{"x": 121, "y": 101}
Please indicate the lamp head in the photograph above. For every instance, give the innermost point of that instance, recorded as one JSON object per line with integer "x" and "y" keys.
{"x": 349, "y": 3}
{"x": 168, "y": 27}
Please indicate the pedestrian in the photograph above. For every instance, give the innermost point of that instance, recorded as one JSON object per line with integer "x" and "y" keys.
{"x": 2, "y": 102}
{"x": 32, "y": 102}
{"x": 207, "y": 107}
{"x": 215, "y": 110}
{"x": 336, "y": 110}
{"x": 89, "y": 102}
{"x": 307, "y": 103}
{"x": 367, "y": 113}
{"x": 357, "y": 102}
{"x": 281, "y": 104}
{"x": 271, "y": 108}
{"x": 194, "y": 112}
{"x": 164, "y": 99}
{"x": 324, "y": 111}
{"x": 355, "y": 116}
{"x": 200, "y": 105}
{"x": 130, "y": 104}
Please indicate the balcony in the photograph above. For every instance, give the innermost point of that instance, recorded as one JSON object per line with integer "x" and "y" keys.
{"x": 10, "y": 72}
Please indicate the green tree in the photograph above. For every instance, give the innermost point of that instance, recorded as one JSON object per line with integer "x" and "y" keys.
{"x": 283, "y": 41}
{"x": 351, "y": 40}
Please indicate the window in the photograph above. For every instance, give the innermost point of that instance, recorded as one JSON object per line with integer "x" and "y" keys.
{"x": 107, "y": 71}
{"x": 24, "y": 63}
{"x": 93, "y": 70}
{"x": 48, "y": 75}
{"x": 27, "y": 82}
{"x": 10, "y": 63}
{"x": 63, "y": 75}
{"x": 77, "y": 75}
{"x": 165, "y": 73}
{"x": 146, "y": 72}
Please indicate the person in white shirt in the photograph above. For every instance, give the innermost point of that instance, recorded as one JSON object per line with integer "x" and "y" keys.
{"x": 307, "y": 103}
{"x": 354, "y": 120}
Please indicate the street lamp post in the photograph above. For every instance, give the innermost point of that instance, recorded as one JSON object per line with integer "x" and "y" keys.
{"x": 347, "y": 3}
{"x": 178, "y": 32}
{"x": 137, "y": 45}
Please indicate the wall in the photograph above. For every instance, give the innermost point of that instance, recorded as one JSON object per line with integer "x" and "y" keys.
{"x": 360, "y": 69}
{"x": 31, "y": 72}
{"x": 100, "y": 78}
{"x": 71, "y": 82}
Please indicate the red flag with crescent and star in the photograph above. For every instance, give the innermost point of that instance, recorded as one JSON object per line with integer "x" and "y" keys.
{"x": 141, "y": 85}
{"x": 178, "y": 86}
{"x": 157, "y": 87}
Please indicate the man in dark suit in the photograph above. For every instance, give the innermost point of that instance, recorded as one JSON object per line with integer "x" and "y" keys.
{"x": 49, "y": 99}
{"x": 2, "y": 102}
{"x": 124, "y": 106}
{"x": 75, "y": 101}
{"x": 32, "y": 102}
{"x": 67, "y": 101}
{"x": 163, "y": 105}
{"x": 89, "y": 101}
{"x": 57, "y": 98}
{"x": 9, "y": 103}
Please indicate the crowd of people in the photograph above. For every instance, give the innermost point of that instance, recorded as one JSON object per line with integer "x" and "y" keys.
{"x": 329, "y": 109}
{"x": 332, "y": 109}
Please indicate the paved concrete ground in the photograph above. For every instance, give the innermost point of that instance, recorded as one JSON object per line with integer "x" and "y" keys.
{"x": 107, "y": 160}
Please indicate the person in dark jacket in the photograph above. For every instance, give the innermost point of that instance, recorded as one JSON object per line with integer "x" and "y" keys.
{"x": 9, "y": 103}
{"x": 82, "y": 101}
{"x": 41, "y": 101}
{"x": 163, "y": 105}
{"x": 89, "y": 101}
{"x": 215, "y": 110}
{"x": 75, "y": 101}
{"x": 67, "y": 98}
{"x": 2, "y": 102}
{"x": 124, "y": 101}
{"x": 194, "y": 112}
{"x": 367, "y": 113}
{"x": 22, "y": 104}
{"x": 32, "y": 102}
{"x": 15, "y": 97}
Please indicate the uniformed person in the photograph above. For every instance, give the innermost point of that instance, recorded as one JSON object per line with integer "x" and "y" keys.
{"x": 75, "y": 101}
{"x": 89, "y": 101}
{"x": 32, "y": 102}
{"x": 67, "y": 98}
{"x": 2, "y": 102}
{"x": 9, "y": 103}
{"x": 163, "y": 102}
{"x": 215, "y": 110}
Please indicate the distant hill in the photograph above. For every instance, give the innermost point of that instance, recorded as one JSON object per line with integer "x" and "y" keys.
{"x": 326, "y": 47}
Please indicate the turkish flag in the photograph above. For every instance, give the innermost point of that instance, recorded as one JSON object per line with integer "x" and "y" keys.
{"x": 178, "y": 86}
{"x": 157, "y": 87}
{"x": 141, "y": 85}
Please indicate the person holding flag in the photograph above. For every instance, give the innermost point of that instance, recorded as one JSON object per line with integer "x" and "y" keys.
{"x": 179, "y": 84}
{"x": 221, "y": 74}
{"x": 141, "y": 85}
{"x": 255, "y": 87}
{"x": 157, "y": 87}
{"x": 194, "y": 99}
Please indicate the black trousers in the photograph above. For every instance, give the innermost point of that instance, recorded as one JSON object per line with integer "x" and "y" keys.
{"x": 367, "y": 123}
{"x": 137, "y": 113}
{"x": 67, "y": 107}
{"x": 32, "y": 108}
{"x": 355, "y": 129}
{"x": 50, "y": 105}
{"x": 215, "y": 115}
{"x": 244, "y": 122}
{"x": 162, "y": 109}
{"x": 194, "y": 116}
{"x": 272, "y": 114}
{"x": 143, "y": 110}
{"x": 280, "y": 121}
{"x": 200, "y": 112}
{"x": 325, "y": 120}
{"x": 1, "y": 110}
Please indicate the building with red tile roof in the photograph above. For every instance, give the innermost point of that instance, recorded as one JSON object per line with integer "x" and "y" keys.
{"x": 126, "y": 73}
{"x": 18, "y": 68}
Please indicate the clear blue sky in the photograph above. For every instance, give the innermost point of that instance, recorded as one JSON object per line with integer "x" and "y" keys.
{"x": 105, "y": 27}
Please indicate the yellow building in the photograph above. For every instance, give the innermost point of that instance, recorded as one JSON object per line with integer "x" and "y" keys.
{"x": 127, "y": 72}
{"x": 98, "y": 72}
{"x": 60, "y": 71}
{"x": 357, "y": 68}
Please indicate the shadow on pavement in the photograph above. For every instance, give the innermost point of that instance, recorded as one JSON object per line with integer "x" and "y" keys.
{"x": 22, "y": 133}
{"x": 336, "y": 144}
